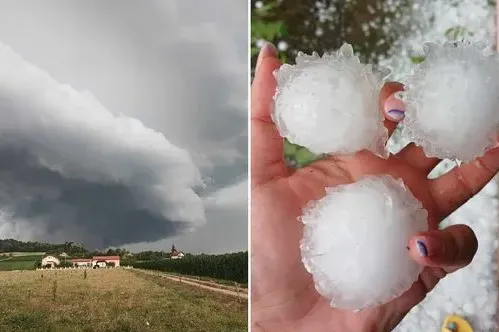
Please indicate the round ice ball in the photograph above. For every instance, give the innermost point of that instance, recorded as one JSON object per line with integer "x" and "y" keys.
{"x": 329, "y": 104}
{"x": 453, "y": 102}
{"x": 355, "y": 241}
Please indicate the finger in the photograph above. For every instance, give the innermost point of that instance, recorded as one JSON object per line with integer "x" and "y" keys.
{"x": 416, "y": 157}
{"x": 453, "y": 189}
{"x": 394, "y": 111}
{"x": 449, "y": 249}
{"x": 392, "y": 108}
{"x": 267, "y": 161}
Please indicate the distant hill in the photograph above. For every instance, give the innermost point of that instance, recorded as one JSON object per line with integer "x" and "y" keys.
{"x": 11, "y": 245}
{"x": 72, "y": 249}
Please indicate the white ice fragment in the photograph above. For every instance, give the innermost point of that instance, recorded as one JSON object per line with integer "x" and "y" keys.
{"x": 491, "y": 189}
{"x": 452, "y": 101}
{"x": 329, "y": 104}
{"x": 356, "y": 235}
{"x": 469, "y": 308}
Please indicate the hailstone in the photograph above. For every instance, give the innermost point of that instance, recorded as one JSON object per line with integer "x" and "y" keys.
{"x": 453, "y": 101}
{"x": 329, "y": 104}
{"x": 355, "y": 241}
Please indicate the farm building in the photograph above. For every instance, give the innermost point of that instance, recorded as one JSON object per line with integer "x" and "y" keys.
{"x": 103, "y": 261}
{"x": 175, "y": 254}
{"x": 82, "y": 262}
{"x": 51, "y": 261}
{"x": 100, "y": 261}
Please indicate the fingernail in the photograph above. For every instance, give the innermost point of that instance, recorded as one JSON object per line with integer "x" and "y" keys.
{"x": 267, "y": 50}
{"x": 423, "y": 251}
{"x": 394, "y": 108}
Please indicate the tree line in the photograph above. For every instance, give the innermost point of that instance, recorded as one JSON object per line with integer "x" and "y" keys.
{"x": 73, "y": 249}
{"x": 232, "y": 266}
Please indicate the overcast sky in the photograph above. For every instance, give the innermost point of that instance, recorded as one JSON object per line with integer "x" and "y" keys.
{"x": 124, "y": 123}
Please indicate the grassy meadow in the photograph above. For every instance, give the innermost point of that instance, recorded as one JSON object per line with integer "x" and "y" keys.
{"x": 115, "y": 300}
{"x": 19, "y": 261}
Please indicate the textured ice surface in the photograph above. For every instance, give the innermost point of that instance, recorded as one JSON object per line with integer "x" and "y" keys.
{"x": 452, "y": 101}
{"x": 322, "y": 100}
{"x": 355, "y": 235}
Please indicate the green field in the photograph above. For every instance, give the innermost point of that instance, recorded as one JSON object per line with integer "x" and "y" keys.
{"x": 23, "y": 253}
{"x": 21, "y": 262}
{"x": 112, "y": 300}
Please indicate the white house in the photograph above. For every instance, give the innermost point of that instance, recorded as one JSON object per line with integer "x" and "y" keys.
{"x": 103, "y": 261}
{"x": 99, "y": 261}
{"x": 175, "y": 254}
{"x": 82, "y": 262}
{"x": 50, "y": 260}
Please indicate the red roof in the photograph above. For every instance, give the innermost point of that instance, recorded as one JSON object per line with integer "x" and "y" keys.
{"x": 77, "y": 260}
{"x": 107, "y": 258}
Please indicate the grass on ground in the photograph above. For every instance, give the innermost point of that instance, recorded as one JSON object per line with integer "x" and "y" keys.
{"x": 212, "y": 280}
{"x": 22, "y": 262}
{"x": 27, "y": 253}
{"x": 112, "y": 300}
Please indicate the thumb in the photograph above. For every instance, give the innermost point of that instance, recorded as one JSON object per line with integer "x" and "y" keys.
{"x": 449, "y": 249}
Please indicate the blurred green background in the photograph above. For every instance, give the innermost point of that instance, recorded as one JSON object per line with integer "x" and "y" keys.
{"x": 371, "y": 26}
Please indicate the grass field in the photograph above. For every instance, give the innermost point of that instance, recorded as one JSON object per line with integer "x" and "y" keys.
{"x": 21, "y": 262}
{"x": 114, "y": 300}
{"x": 207, "y": 279}
{"x": 30, "y": 253}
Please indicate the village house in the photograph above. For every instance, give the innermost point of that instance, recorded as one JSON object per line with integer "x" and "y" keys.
{"x": 82, "y": 262}
{"x": 99, "y": 261}
{"x": 175, "y": 254}
{"x": 51, "y": 261}
{"x": 103, "y": 261}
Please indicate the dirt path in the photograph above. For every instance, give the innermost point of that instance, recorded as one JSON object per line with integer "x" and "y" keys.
{"x": 208, "y": 283}
{"x": 194, "y": 282}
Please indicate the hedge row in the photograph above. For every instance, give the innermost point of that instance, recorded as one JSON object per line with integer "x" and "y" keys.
{"x": 228, "y": 266}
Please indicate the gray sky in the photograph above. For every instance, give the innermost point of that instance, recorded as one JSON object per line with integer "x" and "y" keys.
{"x": 127, "y": 123}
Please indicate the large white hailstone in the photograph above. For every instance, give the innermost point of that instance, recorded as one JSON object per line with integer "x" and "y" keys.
{"x": 329, "y": 104}
{"x": 355, "y": 242}
{"x": 453, "y": 101}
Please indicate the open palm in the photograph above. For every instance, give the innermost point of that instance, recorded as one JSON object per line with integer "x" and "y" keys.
{"x": 283, "y": 293}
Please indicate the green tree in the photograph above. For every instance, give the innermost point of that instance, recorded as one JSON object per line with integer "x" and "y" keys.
{"x": 232, "y": 266}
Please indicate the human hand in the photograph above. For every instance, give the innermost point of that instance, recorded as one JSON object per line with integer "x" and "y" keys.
{"x": 283, "y": 293}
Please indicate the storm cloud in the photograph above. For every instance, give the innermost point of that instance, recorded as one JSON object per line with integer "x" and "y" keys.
{"x": 68, "y": 164}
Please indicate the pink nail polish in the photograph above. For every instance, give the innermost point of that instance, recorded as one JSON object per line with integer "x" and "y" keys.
{"x": 394, "y": 108}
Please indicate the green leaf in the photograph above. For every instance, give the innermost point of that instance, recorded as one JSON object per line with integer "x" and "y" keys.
{"x": 283, "y": 57}
{"x": 417, "y": 59}
{"x": 283, "y": 31}
{"x": 457, "y": 31}
{"x": 290, "y": 149}
{"x": 449, "y": 31}
{"x": 304, "y": 157}
{"x": 265, "y": 30}
{"x": 266, "y": 9}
